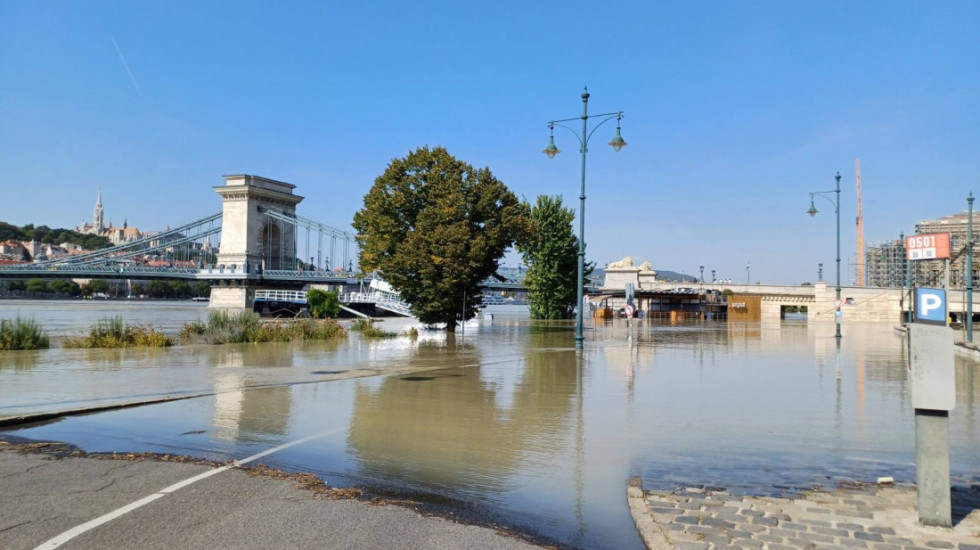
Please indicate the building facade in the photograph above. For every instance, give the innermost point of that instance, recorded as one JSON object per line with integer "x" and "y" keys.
{"x": 886, "y": 266}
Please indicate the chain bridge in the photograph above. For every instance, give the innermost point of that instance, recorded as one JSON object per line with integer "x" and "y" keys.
{"x": 256, "y": 242}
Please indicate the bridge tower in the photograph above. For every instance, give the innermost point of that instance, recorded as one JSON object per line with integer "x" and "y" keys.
{"x": 251, "y": 241}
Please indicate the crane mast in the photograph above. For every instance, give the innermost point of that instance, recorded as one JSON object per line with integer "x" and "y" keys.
{"x": 860, "y": 229}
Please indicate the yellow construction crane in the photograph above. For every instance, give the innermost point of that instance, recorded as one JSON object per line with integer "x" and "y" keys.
{"x": 860, "y": 229}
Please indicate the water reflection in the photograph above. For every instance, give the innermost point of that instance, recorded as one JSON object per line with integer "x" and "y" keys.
{"x": 465, "y": 428}
{"x": 20, "y": 360}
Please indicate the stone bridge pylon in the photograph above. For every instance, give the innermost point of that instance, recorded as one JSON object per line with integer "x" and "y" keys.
{"x": 251, "y": 242}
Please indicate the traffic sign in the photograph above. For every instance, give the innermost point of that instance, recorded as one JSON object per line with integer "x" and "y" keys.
{"x": 628, "y": 310}
{"x": 930, "y": 306}
{"x": 837, "y": 304}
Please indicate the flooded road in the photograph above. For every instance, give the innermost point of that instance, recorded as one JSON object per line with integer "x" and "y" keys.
{"x": 515, "y": 425}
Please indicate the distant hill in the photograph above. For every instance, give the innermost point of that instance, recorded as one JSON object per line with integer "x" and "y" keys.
{"x": 46, "y": 235}
{"x": 663, "y": 275}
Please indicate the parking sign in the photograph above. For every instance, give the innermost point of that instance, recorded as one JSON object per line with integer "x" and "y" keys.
{"x": 930, "y": 306}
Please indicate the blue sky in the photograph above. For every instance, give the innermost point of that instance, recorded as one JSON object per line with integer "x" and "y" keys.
{"x": 734, "y": 111}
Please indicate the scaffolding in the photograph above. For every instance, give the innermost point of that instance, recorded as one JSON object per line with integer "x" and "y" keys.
{"x": 886, "y": 266}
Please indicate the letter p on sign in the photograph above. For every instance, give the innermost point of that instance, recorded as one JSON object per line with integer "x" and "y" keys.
{"x": 930, "y": 306}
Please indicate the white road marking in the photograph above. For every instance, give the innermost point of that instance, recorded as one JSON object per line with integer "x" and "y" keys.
{"x": 89, "y": 525}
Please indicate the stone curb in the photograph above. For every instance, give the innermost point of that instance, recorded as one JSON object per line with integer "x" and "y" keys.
{"x": 652, "y": 534}
{"x": 856, "y": 516}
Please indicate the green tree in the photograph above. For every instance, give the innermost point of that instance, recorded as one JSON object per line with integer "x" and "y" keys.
{"x": 435, "y": 228}
{"x": 96, "y": 286}
{"x": 64, "y": 286}
{"x": 158, "y": 289}
{"x": 16, "y": 284}
{"x": 323, "y": 303}
{"x": 201, "y": 288}
{"x": 180, "y": 289}
{"x": 550, "y": 250}
{"x": 37, "y": 285}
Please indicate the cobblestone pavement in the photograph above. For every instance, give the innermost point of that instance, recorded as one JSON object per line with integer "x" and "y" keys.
{"x": 871, "y": 517}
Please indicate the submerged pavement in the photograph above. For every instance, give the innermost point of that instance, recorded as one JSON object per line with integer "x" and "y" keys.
{"x": 859, "y": 516}
{"x": 47, "y": 501}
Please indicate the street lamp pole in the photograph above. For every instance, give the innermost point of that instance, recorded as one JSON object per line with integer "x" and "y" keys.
{"x": 617, "y": 143}
{"x": 969, "y": 269}
{"x": 813, "y": 212}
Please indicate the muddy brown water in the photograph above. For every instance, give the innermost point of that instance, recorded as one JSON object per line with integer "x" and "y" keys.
{"x": 510, "y": 422}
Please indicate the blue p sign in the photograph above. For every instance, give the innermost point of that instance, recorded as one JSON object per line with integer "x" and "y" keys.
{"x": 930, "y": 306}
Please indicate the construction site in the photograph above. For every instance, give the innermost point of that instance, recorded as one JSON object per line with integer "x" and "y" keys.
{"x": 886, "y": 264}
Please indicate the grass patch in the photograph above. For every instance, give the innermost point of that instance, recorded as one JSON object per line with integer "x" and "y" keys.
{"x": 367, "y": 328}
{"x": 223, "y": 327}
{"x": 22, "y": 334}
{"x": 303, "y": 329}
{"x": 111, "y": 332}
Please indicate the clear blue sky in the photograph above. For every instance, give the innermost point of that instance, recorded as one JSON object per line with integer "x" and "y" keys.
{"x": 734, "y": 111}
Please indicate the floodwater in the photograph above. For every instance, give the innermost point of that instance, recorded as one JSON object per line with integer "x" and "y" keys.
{"x": 515, "y": 425}
{"x": 75, "y": 317}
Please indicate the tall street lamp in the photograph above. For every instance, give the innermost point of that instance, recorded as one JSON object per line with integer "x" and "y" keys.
{"x": 617, "y": 143}
{"x": 835, "y": 199}
{"x": 969, "y": 270}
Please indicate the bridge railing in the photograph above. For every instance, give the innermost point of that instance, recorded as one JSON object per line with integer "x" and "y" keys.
{"x": 124, "y": 271}
{"x": 384, "y": 300}
{"x": 308, "y": 275}
{"x": 294, "y": 296}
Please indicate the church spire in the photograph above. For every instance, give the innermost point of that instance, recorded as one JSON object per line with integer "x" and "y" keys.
{"x": 98, "y": 214}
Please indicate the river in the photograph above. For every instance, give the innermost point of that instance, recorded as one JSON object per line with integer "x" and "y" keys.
{"x": 509, "y": 421}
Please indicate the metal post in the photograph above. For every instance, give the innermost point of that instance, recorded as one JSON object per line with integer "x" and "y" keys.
{"x": 837, "y": 210}
{"x": 908, "y": 279}
{"x": 581, "y": 226}
{"x": 969, "y": 269}
{"x": 617, "y": 143}
{"x": 932, "y": 467}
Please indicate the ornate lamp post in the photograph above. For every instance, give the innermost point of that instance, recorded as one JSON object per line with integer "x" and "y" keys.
{"x": 835, "y": 199}
{"x": 969, "y": 270}
{"x": 617, "y": 143}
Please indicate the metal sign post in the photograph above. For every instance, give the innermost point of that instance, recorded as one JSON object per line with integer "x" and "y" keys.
{"x": 933, "y": 381}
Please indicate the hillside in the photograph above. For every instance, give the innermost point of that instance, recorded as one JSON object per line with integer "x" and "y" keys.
{"x": 46, "y": 235}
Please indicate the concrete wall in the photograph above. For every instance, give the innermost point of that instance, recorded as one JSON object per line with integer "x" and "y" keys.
{"x": 232, "y": 297}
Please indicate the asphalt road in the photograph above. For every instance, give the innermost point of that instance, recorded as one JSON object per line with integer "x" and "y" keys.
{"x": 43, "y": 497}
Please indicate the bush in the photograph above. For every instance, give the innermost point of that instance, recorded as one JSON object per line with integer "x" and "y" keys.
{"x": 367, "y": 328}
{"x": 323, "y": 303}
{"x": 304, "y": 329}
{"x": 111, "y": 332}
{"x": 222, "y": 327}
{"x": 246, "y": 326}
{"x": 22, "y": 334}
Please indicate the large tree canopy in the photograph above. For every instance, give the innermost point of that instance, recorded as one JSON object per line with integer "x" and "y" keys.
{"x": 434, "y": 228}
{"x": 550, "y": 251}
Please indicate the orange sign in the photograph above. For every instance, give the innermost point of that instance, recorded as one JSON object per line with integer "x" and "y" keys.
{"x": 934, "y": 246}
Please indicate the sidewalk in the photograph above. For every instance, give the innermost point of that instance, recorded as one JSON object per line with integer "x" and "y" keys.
{"x": 866, "y": 516}
{"x": 43, "y": 497}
